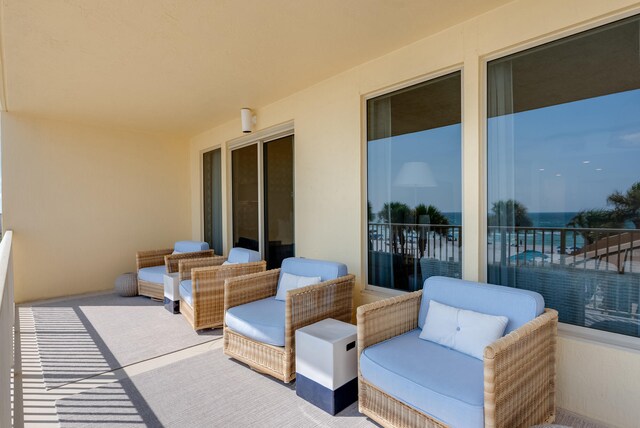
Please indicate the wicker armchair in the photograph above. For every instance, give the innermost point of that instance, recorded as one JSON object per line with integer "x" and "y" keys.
{"x": 152, "y": 265}
{"x": 202, "y": 285}
{"x": 331, "y": 298}
{"x": 519, "y": 368}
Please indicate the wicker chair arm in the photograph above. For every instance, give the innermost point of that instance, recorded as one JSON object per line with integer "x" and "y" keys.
{"x": 384, "y": 319}
{"x": 520, "y": 374}
{"x": 249, "y": 288}
{"x": 151, "y": 258}
{"x": 307, "y": 305}
{"x": 214, "y": 276}
{"x": 185, "y": 265}
{"x": 172, "y": 261}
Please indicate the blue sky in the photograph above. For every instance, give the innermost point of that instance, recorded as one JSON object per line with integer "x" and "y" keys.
{"x": 567, "y": 157}
{"x": 440, "y": 148}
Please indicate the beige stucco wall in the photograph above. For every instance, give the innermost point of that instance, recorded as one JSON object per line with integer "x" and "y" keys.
{"x": 81, "y": 200}
{"x": 594, "y": 379}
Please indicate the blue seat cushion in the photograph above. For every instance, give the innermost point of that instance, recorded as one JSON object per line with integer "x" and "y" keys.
{"x": 153, "y": 274}
{"x": 262, "y": 320}
{"x": 520, "y": 306}
{"x": 242, "y": 255}
{"x": 190, "y": 246}
{"x": 438, "y": 381}
{"x": 185, "y": 291}
{"x": 310, "y": 267}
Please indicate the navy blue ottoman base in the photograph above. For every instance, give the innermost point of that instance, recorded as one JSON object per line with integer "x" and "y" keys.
{"x": 332, "y": 402}
{"x": 172, "y": 306}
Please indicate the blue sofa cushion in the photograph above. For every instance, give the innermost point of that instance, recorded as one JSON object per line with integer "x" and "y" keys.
{"x": 190, "y": 246}
{"x": 520, "y": 306}
{"x": 153, "y": 274}
{"x": 262, "y": 320}
{"x": 185, "y": 291}
{"x": 242, "y": 255}
{"x": 438, "y": 381}
{"x": 310, "y": 267}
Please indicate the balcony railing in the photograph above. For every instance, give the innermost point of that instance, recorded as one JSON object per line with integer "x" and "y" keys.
{"x": 7, "y": 315}
{"x": 443, "y": 242}
{"x": 602, "y": 249}
{"x": 591, "y": 276}
{"x": 402, "y": 256}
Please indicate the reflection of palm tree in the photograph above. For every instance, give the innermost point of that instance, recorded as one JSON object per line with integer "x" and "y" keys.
{"x": 395, "y": 212}
{"x": 399, "y": 213}
{"x": 627, "y": 205}
{"x": 509, "y": 213}
{"x": 428, "y": 215}
{"x": 433, "y": 213}
{"x": 595, "y": 219}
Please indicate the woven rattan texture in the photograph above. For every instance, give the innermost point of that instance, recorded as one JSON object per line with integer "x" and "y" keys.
{"x": 172, "y": 261}
{"x": 161, "y": 257}
{"x": 303, "y": 306}
{"x": 207, "y": 291}
{"x": 519, "y": 369}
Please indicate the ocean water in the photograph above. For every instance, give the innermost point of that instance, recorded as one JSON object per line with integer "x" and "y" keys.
{"x": 559, "y": 219}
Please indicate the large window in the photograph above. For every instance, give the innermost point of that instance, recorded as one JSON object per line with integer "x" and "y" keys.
{"x": 414, "y": 184}
{"x": 564, "y": 175}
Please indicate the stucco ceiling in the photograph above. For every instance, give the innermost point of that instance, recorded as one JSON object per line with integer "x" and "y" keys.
{"x": 182, "y": 66}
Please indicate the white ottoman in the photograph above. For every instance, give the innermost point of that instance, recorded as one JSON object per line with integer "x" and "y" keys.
{"x": 327, "y": 364}
{"x": 172, "y": 292}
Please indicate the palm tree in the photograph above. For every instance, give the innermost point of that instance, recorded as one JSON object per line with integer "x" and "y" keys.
{"x": 395, "y": 212}
{"x": 509, "y": 213}
{"x": 399, "y": 213}
{"x": 595, "y": 219}
{"x": 627, "y": 205}
{"x": 432, "y": 215}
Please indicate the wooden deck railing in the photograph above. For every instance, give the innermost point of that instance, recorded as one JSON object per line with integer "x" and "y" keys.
{"x": 7, "y": 318}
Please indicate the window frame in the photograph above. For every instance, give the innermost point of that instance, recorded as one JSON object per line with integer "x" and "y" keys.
{"x": 259, "y": 138}
{"x": 364, "y": 221}
{"x": 570, "y": 331}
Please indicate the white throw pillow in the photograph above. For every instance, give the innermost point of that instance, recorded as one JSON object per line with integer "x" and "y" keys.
{"x": 176, "y": 252}
{"x": 465, "y": 331}
{"x": 290, "y": 282}
{"x": 225, "y": 263}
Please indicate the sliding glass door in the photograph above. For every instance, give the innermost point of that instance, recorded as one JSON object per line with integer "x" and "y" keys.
{"x": 244, "y": 179}
{"x": 278, "y": 196}
{"x": 212, "y": 199}
{"x": 262, "y": 198}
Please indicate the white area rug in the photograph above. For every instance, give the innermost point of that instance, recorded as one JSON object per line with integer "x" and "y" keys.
{"x": 83, "y": 337}
{"x": 208, "y": 390}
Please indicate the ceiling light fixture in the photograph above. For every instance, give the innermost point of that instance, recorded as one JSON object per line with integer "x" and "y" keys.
{"x": 248, "y": 120}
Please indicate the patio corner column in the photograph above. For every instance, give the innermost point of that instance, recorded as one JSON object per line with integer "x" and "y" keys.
{"x": 473, "y": 230}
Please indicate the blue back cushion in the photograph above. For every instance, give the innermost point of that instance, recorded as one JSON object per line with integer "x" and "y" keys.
{"x": 190, "y": 246}
{"x": 242, "y": 255}
{"x": 310, "y": 267}
{"x": 520, "y": 306}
